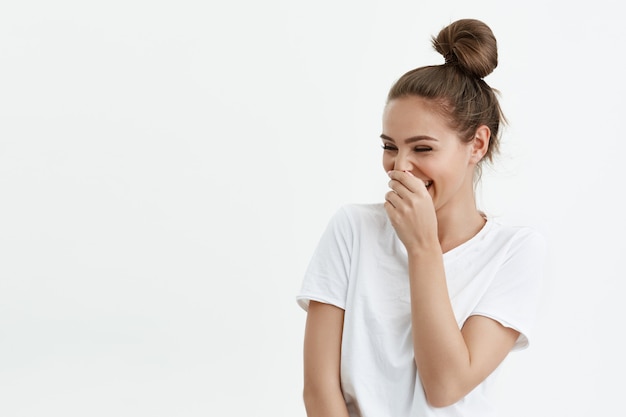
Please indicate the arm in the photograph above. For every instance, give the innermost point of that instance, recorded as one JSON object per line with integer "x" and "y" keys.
{"x": 450, "y": 361}
{"x": 322, "y": 359}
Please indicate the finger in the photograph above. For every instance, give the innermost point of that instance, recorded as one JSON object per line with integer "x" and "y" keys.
{"x": 399, "y": 188}
{"x": 393, "y": 198}
{"x": 412, "y": 183}
{"x": 407, "y": 179}
{"x": 389, "y": 208}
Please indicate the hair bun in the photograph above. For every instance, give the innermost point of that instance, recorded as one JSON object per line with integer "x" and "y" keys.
{"x": 469, "y": 44}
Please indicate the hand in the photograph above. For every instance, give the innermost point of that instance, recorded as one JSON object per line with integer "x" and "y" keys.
{"x": 411, "y": 211}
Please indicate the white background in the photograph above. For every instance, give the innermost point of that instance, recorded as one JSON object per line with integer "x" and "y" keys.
{"x": 166, "y": 168}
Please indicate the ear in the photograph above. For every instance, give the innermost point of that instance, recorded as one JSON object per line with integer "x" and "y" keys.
{"x": 480, "y": 144}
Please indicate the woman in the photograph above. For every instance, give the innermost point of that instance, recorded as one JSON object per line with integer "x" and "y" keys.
{"x": 414, "y": 303}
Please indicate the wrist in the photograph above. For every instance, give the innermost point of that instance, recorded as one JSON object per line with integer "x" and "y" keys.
{"x": 424, "y": 249}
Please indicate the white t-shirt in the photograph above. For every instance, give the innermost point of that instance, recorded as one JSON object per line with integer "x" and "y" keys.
{"x": 360, "y": 265}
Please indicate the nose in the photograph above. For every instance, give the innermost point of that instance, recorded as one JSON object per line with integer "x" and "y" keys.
{"x": 402, "y": 163}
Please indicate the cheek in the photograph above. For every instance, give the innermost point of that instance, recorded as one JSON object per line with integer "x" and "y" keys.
{"x": 388, "y": 162}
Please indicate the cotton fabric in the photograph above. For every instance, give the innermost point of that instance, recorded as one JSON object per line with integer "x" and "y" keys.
{"x": 360, "y": 266}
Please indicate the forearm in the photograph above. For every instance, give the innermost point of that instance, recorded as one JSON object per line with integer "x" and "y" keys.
{"x": 322, "y": 362}
{"x": 441, "y": 354}
{"x": 324, "y": 401}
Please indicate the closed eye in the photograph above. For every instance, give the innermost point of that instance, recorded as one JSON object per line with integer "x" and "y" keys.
{"x": 388, "y": 147}
{"x": 422, "y": 149}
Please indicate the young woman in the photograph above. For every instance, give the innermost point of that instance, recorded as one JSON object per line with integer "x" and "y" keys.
{"x": 414, "y": 303}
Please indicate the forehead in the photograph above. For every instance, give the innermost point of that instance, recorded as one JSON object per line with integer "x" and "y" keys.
{"x": 413, "y": 116}
{"x": 413, "y": 109}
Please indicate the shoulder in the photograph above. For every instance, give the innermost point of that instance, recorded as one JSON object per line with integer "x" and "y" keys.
{"x": 516, "y": 238}
{"x": 363, "y": 216}
{"x": 518, "y": 233}
{"x": 363, "y": 211}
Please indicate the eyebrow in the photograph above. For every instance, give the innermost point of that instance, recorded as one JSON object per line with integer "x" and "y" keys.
{"x": 409, "y": 140}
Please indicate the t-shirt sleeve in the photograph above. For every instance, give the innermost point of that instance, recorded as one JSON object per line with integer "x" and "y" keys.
{"x": 326, "y": 277}
{"x": 513, "y": 297}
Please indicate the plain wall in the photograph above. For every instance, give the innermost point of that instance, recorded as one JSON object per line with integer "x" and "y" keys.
{"x": 166, "y": 169}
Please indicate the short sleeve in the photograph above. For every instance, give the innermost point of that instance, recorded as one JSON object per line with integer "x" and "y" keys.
{"x": 512, "y": 299}
{"x": 326, "y": 277}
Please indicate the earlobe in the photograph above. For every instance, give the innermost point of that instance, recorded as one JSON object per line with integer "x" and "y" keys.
{"x": 480, "y": 144}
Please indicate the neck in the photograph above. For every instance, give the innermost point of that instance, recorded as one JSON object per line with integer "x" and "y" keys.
{"x": 459, "y": 225}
